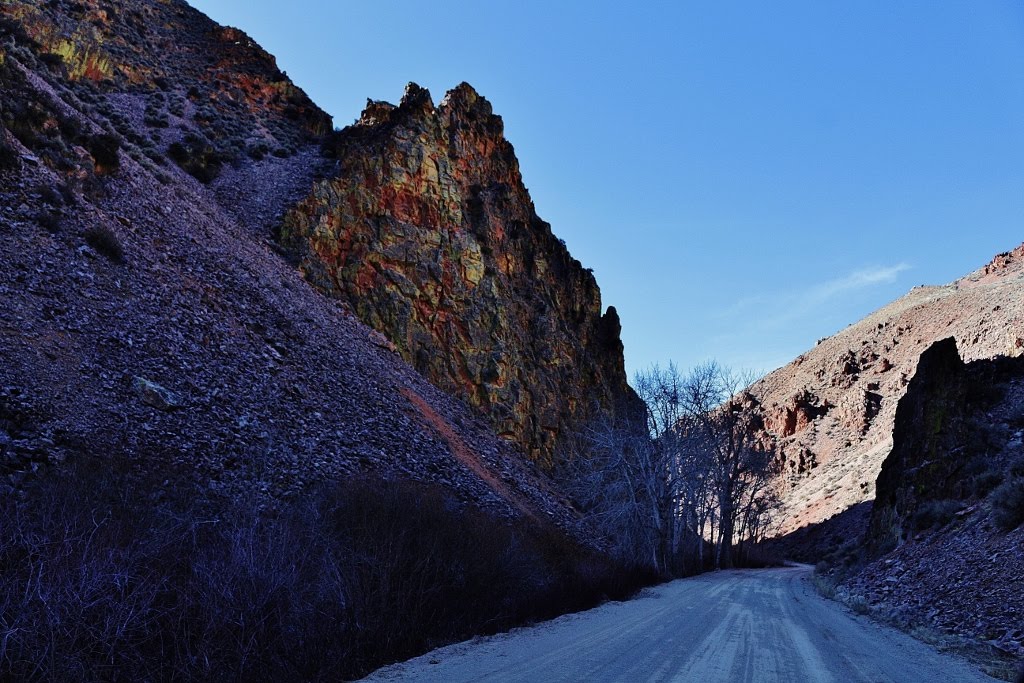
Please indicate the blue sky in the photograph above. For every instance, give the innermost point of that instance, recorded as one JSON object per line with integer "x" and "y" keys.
{"x": 743, "y": 177}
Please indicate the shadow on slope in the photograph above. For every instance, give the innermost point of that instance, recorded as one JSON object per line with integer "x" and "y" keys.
{"x": 835, "y": 541}
{"x": 108, "y": 576}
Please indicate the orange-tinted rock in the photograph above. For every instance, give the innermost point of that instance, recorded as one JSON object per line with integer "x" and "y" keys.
{"x": 1004, "y": 261}
{"x": 429, "y": 233}
{"x": 796, "y": 414}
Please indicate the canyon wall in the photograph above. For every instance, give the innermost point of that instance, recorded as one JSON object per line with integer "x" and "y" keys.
{"x": 429, "y": 234}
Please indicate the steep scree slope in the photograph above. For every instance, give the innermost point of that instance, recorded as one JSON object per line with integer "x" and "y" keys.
{"x": 830, "y": 412}
{"x": 141, "y": 318}
{"x": 429, "y": 233}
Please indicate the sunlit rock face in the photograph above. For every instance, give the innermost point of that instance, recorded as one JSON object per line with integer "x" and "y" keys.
{"x": 830, "y": 413}
{"x": 233, "y": 85}
{"x": 428, "y": 232}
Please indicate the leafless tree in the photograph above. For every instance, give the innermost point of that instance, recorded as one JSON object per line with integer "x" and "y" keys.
{"x": 720, "y": 421}
{"x": 613, "y": 476}
{"x": 697, "y": 480}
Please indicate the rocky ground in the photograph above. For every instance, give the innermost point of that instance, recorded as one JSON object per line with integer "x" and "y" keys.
{"x": 965, "y": 580}
{"x": 147, "y": 315}
{"x": 830, "y": 412}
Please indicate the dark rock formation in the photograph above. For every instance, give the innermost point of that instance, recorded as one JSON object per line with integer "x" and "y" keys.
{"x": 929, "y": 425}
{"x": 942, "y": 440}
{"x": 428, "y": 232}
{"x": 939, "y": 554}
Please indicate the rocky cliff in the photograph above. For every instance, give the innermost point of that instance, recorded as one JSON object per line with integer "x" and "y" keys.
{"x": 945, "y": 541}
{"x": 943, "y": 440}
{"x": 146, "y": 314}
{"x": 428, "y": 232}
{"x": 830, "y": 413}
{"x": 169, "y": 65}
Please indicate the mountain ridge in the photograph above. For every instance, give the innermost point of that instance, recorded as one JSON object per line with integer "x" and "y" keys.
{"x": 830, "y": 411}
{"x": 147, "y": 309}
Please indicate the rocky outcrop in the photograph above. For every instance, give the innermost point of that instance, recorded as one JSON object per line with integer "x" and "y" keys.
{"x": 945, "y": 441}
{"x": 830, "y": 413}
{"x": 428, "y": 232}
{"x": 144, "y": 318}
{"x": 163, "y": 76}
{"x": 929, "y": 427}
{"x": 937, "y": 554}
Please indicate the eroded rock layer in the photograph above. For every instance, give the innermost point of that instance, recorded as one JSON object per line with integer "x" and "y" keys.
{"x": 427, "y": 230}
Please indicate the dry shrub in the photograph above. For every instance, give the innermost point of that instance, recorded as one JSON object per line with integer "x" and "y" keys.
{"x": 104, "y": 150}
{"x": 1008, "y": 504}
{"x": 105, "y": 241}
{"x": 107, "y": 577}
{"x": 935, "y": 514}
{"x": 197, "y": 157}
{"x": 8, "y": 155}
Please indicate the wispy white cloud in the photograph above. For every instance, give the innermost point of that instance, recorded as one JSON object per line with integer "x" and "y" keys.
{"x": 767, "y": 329}
{"x": 858, "y": 279}
{"x": 785, "y": 305}
{"x": 760, "y": 330}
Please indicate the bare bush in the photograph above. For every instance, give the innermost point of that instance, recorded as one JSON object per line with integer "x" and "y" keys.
{"x": 108, "y": 577}
{"x": 105, "y": 241}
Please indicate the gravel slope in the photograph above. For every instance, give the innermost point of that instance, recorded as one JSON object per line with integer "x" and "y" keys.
{"x": 766, "y": 625}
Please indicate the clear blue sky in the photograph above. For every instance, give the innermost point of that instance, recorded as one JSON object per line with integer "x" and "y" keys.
{"x": 743, "y": 177}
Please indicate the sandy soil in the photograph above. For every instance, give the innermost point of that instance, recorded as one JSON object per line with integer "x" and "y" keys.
{"x": 766, "y": 625}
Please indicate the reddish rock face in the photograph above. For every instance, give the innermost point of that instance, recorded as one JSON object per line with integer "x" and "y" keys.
{"x": 429, "y": 233}
{"x": 229, "y": 87}
{"x": 144, "y": 324}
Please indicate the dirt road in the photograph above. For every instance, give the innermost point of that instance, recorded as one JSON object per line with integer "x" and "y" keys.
{"x": 765, "y": 625}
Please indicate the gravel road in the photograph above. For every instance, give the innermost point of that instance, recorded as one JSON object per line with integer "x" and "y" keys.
{"x": 753, "y": 625}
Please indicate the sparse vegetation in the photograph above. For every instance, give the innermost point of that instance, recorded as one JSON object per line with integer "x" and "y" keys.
{"x": 985, "y": 482}
{"x": 859, "y": 605}
{"x": 107, "y": 574}
{"x": 257, "y": 151}
{"x": 1008, "y": 504}
{"x": 104, "y": 150}
{"x": 49, "y": 220}
{"x": 825, "y": 586}
{"x": 1017, "y": 468}
{"x": 934, "y": 514}
{"x": 8, "y": 156}
{"x": 50, "y": 195}
{"x": 105, "y": 241}
{"x": 197, "y": 157}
